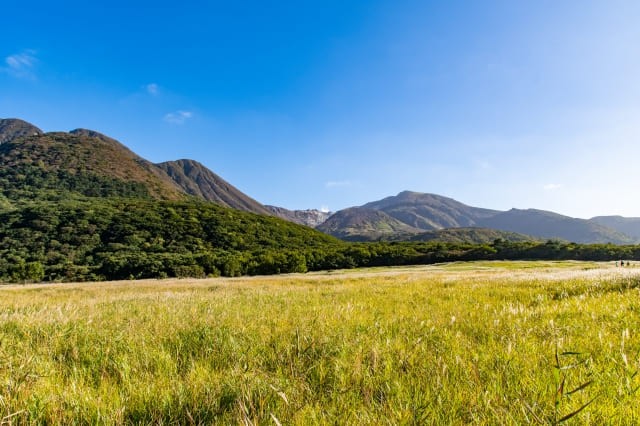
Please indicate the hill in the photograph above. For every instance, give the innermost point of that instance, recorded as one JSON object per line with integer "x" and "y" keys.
{"x": 82, "y": 162}
{"x": 82, "y": 206}
{"x": 197, "y": 180}
{"x": 62, "y": 164}
{"x": 13, "y": 128}
{"x": 429, "y": 211}
{"x": 116, "y": 238}
{"x": 470, "y": 236}
{"x": 627, "y": 225}
{"x": 363, "y": 224}
{"x": 433, "y": 212}
{"x": 546, "y": 224}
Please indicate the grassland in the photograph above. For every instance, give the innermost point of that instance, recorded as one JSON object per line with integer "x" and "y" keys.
{"x": 480, "y": 343}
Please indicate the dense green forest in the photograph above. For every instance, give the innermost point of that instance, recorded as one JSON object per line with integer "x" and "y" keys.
{"x": 103, "y": 239}
{"x": 83, "y": 207}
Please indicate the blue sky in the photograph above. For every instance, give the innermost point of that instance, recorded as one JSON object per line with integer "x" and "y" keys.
{"x": 304, "y": 104}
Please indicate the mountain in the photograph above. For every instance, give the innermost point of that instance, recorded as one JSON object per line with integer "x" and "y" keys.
{"x": 311, "y": 218}
{"x": 197, "y": 180}
{"x": 363, "y": 224}
{"x": 80, "y": 205}
{"x": 429, "y": 211}
{"x": 84, "y": 162}
{"x": 626, "y": 225}
{"x": 13, "y": 128}
{"x": 79, "y": 163}
{"x": 470, "y": 236}
{"x": 545, "y": 224}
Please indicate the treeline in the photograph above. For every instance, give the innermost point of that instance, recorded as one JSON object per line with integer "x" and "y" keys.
{"x": 106, "y": 239}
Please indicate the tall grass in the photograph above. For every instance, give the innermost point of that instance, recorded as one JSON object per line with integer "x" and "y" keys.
{"x": 475, "y": 343}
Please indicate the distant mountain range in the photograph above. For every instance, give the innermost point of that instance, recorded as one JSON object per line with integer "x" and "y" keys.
{"x": 627, "y": 225}
{"x": 38, "y": 164}
{"x": 551, "y": 225}
{"x": 408, "y": 214}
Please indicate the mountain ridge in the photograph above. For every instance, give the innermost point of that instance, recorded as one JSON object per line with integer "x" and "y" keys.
{"x": 432, "y": 212}
{"x": 626, "y": 225}
{"x": 89, "y": 163}
{"x": 77, "y": 159}
{"x": 546, "y": 224}
{"x": 197, "y": 180}
{"x": 79, "y": 205}
{"x": 429, "y": 211}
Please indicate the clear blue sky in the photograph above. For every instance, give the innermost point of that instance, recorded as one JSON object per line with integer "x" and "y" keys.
{"x": 305, "y": 104}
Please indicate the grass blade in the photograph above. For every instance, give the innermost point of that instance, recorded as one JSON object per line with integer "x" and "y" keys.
{"x": 579, "y": 388}
{"x": 570, "y": 415}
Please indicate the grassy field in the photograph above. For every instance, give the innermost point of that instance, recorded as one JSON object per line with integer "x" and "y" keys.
{"x": 480, "y": 342}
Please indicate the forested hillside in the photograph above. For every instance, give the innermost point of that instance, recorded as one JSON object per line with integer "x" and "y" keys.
{"x": 131, "y": 238}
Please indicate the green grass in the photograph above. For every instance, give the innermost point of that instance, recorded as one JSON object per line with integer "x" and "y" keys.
{"x": 444, "y": 344}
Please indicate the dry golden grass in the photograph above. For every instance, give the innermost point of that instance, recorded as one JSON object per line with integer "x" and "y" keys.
{"x": 481, "y": 343}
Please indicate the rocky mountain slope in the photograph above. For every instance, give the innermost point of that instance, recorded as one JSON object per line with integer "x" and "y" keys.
{"x": 311, "y": 217}
{"x": 197, "y": 180}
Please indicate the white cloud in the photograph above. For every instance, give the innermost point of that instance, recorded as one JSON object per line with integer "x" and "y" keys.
{"x": 338, "y": 184}
{"x": 324, "y": 209}
{"x": 152, "y": 89}
{"x": 178, "y": 117}
{"x": 552, "y": 186}
{"x": 20, "y": 65}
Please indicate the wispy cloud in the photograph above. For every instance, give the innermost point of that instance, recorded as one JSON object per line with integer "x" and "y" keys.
{"x": 152, "y": 89}
{"x": 552, "y": 186}
{"x": 338, "y": 183}
{"x": 21, "y": 65}
{"x": 178, "y": 117}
